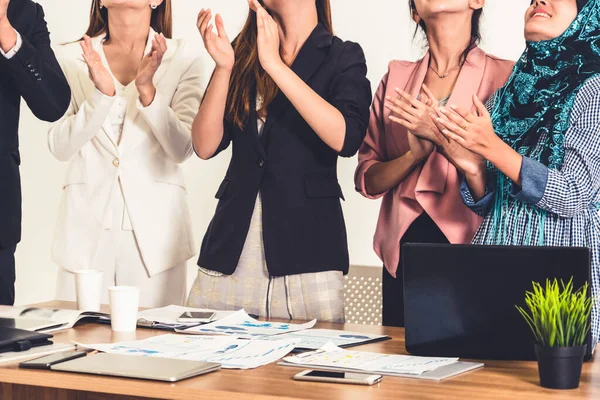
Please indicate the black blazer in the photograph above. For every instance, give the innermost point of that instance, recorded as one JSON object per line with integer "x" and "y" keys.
{"x": 294, "y": 170}
{"x": 33, "y": 74}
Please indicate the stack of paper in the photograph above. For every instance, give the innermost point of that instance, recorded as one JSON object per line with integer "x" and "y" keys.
{"x": 34, "y": 352}
{"x": 313, "y": 339}
{"x": 167, "y": 317}
{"x": 331, "y": 357}
{"x": 55, "y": 318}
{"x": 230, "y": 352}
{"x": 241, "y": 325}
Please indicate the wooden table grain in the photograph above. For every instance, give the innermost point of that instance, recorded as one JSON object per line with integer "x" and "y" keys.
{"x": 497, "y": 380}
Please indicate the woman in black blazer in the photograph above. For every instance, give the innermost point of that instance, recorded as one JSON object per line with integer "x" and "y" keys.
{"x": 291, "y": 97}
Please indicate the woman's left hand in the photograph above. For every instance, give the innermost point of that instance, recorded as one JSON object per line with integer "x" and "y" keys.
{"x": 148, "y": 68}
{"x": 268, "y": 38}
{"x": 473, "y": 132}
{"x": 413, "y": 114}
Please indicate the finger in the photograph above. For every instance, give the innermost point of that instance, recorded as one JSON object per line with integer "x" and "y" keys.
{"x": 260, "y": 23}
{"x": 480, "y": 107}
{"x": 255, "y": 5}
{"x": 201, "y": 17}
{"x": 87, "y": 45}
{"x": 438, "y": 131}
{"x": 155, "y": 59}
{"x": 409, "y": 99}
{"x": 205, "y": 22}
{"x": 450, "y": 136}
{"x": 463, "y": 112}
{"x": 220, "y": 27}
{"x": 400, "y": 112}
{"x": 401, "y": 106}
{"x": 209, "y": 31}
{"x": 430, "y": 94}
{"x": 459, "y": 120}
{"x": 83, "y": 51}
{"x": 86, "y": 59}
{"x": 273, "y": 27}
{"x": 452, "y": 127}
{"x": 162, "y": 42}
{"x": 402, "y": 122}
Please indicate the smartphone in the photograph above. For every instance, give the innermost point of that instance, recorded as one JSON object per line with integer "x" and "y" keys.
{"x": 46, "y": 362}
{"x": 337, "y": 377}
{"x": 196, "y": 316}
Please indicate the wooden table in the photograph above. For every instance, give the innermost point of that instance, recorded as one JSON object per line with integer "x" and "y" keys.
{"x": 498, "y": 380}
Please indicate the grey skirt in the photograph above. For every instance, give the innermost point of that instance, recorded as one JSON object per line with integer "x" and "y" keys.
{"x": 303, "y": 297}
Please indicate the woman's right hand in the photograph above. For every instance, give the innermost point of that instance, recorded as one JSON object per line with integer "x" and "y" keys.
{"x": 218, "y": 45}
{"x": 465, "y": 161}
{"x": 99, "y": 75}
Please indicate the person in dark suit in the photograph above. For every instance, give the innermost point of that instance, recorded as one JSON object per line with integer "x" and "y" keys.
{"x": 28, "y": 70}
{"x": 291, "y": 98}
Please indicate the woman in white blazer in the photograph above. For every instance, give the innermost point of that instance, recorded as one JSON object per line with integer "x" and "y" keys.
{"x": 124, "y": 207}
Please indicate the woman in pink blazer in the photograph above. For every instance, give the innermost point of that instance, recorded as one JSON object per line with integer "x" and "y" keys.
{"x": 402, "y": 158}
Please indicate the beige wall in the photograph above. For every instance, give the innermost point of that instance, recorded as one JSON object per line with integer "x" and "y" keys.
{"x": 382, "y": 27}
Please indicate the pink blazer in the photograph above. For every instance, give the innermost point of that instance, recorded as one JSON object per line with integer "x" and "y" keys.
{"x": 434, "y": 186}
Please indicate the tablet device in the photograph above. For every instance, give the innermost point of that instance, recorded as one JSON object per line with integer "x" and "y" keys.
{"x": 125, "y": 366}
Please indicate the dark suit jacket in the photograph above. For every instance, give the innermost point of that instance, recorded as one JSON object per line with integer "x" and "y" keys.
{"x": 33, "y": 74}
{"x": 294, "y": 170}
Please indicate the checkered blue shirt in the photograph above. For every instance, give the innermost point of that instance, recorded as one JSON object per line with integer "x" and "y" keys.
{"x": 570, "y": 196}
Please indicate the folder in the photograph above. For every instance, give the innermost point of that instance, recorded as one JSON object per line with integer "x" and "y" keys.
{"x": 12, "y": 339}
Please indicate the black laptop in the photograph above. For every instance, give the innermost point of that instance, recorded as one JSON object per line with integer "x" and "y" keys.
{"x": 460, "y": 299}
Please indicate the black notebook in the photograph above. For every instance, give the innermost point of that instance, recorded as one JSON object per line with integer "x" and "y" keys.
{"x": 12, "y": 339}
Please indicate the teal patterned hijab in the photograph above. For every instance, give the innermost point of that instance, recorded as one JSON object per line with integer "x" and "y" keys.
{"x": 536, "y": 102}
{"x": 532, "y": 114}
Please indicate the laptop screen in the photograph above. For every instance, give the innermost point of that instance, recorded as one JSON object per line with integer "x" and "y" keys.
{"x": 460, "y": 300}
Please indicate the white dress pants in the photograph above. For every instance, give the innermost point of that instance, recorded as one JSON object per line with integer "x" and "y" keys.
{"x": 120, "y": 259}
{"x": 118, "y": 255}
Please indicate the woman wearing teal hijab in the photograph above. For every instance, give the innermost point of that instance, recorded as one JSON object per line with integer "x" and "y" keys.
{"x": 541, "y": 139}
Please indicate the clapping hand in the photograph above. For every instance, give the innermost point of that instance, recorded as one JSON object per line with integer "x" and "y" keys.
{"x": 268, "y": 38}
{"x": 217, "y": 45}
{"x": 148, "y": 67}
{"x": 99, "y": 75}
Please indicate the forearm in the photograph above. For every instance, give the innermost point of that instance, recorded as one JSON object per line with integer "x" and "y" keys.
{"x": 8, "y": 35}
{"x": 207, "y": 129}
{"x": 327, "y": 122}
{"x": 35, "y": 72}
{"x": 506, "y": 160}
{"x": 477, "y": 184}
{"x": 385, "y": 176}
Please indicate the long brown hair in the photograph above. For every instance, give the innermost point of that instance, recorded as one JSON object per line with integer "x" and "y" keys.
{"x": 247, "y": 71}
{"x": 161, "y": 22}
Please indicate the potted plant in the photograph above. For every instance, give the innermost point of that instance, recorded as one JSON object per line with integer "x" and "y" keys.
{"x": 559, "y": 318}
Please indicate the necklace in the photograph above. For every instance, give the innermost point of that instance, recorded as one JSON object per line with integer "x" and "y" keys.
{"x": 447, "y": 73}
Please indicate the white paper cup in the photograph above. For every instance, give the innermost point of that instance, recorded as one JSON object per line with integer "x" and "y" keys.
{"x": 124, "y": 301}
{"x": 88, "y": 289}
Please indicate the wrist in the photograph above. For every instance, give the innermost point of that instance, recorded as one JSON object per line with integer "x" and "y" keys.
{"x": 274, "y": 68}
{"x": 147, "y": 94}
{"x": 413, "y": 159}
{"x": 226, "y": 70}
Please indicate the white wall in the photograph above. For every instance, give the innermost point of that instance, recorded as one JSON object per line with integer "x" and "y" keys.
{"x": 382, "y": 27}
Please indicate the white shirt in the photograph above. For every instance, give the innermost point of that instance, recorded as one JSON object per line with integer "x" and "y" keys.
{"x": 11, "y": 53}
{"x": 123, "y": 95}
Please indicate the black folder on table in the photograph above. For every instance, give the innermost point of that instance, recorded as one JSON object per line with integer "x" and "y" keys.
{"x": 12, "y": 339}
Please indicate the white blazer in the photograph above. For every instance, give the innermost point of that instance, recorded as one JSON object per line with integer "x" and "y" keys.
{"x": 155, "y": 140}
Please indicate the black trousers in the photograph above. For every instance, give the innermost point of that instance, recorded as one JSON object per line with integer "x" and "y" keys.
{"x": 7, "y": 276}
{"x": 422, "y": 230}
